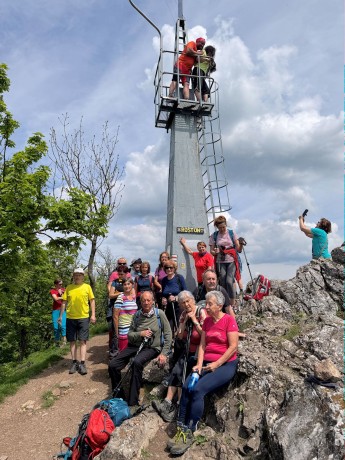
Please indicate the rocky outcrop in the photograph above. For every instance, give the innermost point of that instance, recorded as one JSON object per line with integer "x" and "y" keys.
{"x": 271, "y": 410}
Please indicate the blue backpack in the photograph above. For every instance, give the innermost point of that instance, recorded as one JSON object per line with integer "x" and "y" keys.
{"x": 117, "y": 409}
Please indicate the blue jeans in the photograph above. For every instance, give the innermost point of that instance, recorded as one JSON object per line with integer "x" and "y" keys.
{"x": 59, "y": 330}
{"x": 192, "y": 403}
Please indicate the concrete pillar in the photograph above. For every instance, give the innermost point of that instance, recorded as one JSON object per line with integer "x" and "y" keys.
{"x": 186, "y": 214}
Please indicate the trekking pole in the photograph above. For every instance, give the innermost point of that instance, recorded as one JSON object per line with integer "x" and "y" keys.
{"x": 250, "y": 273}
{"x": 174, "y": 316}
{"x": 118, "y": 386}
{"x": 189, "y": 333}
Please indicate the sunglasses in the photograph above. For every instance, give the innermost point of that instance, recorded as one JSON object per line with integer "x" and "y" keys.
{"x": 169, "y": 268}
{"x": 122, "y": 263}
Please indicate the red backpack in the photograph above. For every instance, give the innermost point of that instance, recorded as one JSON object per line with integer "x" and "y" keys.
{"x": 94, "y": 433}
{"x": 98, "y": 431}
{"x": 261, "y": 288}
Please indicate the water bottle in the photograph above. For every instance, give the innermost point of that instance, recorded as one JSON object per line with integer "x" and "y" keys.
{"x": 193, "y": 380}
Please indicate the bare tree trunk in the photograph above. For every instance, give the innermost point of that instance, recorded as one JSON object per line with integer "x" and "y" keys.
{"x": 90, "y": 264}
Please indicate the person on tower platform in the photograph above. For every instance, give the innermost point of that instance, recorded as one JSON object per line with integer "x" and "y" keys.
{"x": 184, "y": 64}
{"x": 202, "y": 69}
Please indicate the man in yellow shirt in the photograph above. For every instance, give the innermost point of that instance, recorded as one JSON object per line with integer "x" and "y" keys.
{"x": 79, "y": 298}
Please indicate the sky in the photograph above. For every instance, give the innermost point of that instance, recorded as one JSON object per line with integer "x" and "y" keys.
{"x": 280, "y": 76}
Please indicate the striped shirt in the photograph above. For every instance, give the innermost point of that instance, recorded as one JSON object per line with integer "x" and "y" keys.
{"x": 127, "y": 309}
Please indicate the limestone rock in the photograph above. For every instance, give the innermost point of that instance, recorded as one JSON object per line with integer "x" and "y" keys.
{"x": 66, "y": 384}
{"x": 56, "y": 392}
{"x": 326, "y": 370}
{"x": 28, "y": 405}
{"x": 338, "y": 255}
{"x": 269, "y": 412}
{"x": 134, "y": 435}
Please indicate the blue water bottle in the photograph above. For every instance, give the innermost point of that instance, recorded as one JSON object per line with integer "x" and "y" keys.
{"x": 193, "y": 380}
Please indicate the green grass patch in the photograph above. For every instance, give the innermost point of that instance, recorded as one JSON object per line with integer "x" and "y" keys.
{"x": 97, "y": 329}
{"x": 48, "y": 399}
{"x": 145, "y": 454}
{"x": 14, "y": 375}
{"x": 200, "y": 439}
{"x": 293, "y": 332}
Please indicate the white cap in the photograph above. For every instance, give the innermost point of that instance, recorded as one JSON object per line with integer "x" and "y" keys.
{"x": 78, "y": 270}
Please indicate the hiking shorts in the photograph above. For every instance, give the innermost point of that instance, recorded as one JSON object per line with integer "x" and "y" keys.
{"x": 196, "y": 81}
{"x": 184, "y": 78}
{"x": 77, "y": 329}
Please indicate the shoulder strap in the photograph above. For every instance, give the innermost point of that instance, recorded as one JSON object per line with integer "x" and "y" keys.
{"x": 160, "y": 325}
{"x": 135, "y": 319}
{"x": 215, "y": 235}
{"x": 231, "y": 234}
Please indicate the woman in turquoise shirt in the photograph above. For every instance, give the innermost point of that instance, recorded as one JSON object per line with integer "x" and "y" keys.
{"x": 319, "y": 236}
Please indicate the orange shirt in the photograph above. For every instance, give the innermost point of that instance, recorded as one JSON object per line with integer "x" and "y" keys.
{"x": 184, "y": 59}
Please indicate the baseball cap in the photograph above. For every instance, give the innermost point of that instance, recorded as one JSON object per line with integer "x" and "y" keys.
{"x": 136, "y": 261}
{"x": 78, "y": 270}
{"x": 200, "y": 40}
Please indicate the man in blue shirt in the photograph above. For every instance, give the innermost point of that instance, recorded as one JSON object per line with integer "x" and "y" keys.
{"x": 319, "y": 236}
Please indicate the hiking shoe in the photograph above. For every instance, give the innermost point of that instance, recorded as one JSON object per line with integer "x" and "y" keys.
{"x": 167, "y": 411}
{"x": 186, "y": 440}
{"x": 82, "y": 369}
{"x": 74, "y": 368}
{"x": 175, "y": 440}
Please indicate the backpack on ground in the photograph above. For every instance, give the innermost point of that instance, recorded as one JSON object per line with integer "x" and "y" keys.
{"x": 261, "y": 288}
{"x": 117, "y": 409}
{"x": 93, "y": 434}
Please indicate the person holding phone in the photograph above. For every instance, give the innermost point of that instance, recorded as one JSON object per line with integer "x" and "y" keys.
{"x": 319, "y": 234}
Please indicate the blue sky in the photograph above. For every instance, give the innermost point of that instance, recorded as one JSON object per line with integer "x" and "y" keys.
{"x": 279, "y": 67}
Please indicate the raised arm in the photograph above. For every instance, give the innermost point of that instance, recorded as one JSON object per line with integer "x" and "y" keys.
{"x": 185, "y": 247}
{"x": 306, "y": 230}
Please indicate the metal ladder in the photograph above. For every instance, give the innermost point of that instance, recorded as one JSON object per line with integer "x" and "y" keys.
{"x": 212, "y": 164}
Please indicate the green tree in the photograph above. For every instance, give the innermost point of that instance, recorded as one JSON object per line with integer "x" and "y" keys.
{"x": 28, "y": 213}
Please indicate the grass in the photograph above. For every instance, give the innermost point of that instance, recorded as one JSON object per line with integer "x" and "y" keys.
{"x": 200, "y": 440}
{"x": 48, "y": 399}
{"x": 14, "y": 375}
{"x": 293, "y": 332}
{"x": 144, "y": 454}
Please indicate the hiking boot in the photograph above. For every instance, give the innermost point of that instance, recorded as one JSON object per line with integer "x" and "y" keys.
{"x": 185, "y": 441}
{"x": 74, "y": 368}
{"x": 167, "y": 411}
{"x": 82, "y": 369}
{"x": 174, "y": 441}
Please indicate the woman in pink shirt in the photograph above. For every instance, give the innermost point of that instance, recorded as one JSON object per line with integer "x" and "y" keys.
{"x": 216, "y": 365}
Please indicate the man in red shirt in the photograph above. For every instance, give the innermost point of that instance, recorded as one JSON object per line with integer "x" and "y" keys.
{"x": 185, "y": 64}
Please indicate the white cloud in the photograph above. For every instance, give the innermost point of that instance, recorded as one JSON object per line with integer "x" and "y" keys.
{"x": 281, "y": 123}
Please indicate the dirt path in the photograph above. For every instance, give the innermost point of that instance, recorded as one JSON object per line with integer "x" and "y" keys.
{"x": 31, "y": 432}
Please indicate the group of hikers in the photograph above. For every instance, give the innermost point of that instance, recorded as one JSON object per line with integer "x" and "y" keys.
{"x": 153, "y": 317}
